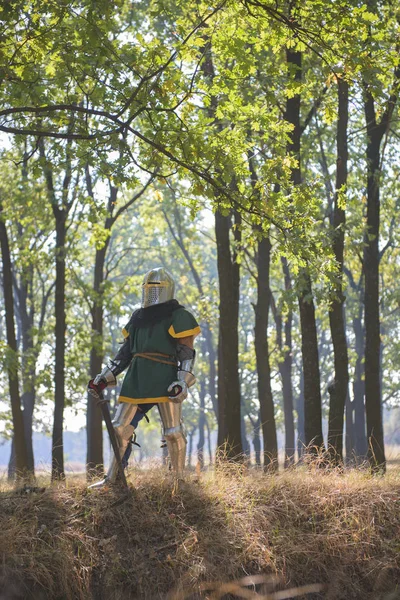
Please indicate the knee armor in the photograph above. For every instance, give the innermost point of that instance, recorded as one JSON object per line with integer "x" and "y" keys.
{"x": 124, "y": 431}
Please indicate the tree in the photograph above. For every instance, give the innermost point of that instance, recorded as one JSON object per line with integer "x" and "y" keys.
{"x": 309, "y": 345}
{"x": 261, "y": 310}
{"x": 339, "y": 387}
{"x": 94, "y": 460}
{"x": 229, "y": 425}
{"x": 377, "y": 130}
{"x": 61, "y": 202}
{"x": 179, "y": 233}
{"x": 28, "y": 233}
{"x": 21, "y": 456}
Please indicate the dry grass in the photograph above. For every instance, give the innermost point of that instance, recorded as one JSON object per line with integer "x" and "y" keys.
{"x": 230, "y": 534}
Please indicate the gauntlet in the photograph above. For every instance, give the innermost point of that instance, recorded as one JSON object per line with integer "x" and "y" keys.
{"x": 185, "y": 378}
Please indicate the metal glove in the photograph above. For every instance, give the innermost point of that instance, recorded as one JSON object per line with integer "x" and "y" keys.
{"x": 96, "y": 389}
{"x": 102, "y": 380}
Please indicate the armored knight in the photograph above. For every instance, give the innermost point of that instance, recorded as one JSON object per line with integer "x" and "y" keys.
{"x": 158, "y": 349}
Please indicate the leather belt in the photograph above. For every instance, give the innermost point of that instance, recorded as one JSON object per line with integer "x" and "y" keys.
{"x": 157, "y": 357}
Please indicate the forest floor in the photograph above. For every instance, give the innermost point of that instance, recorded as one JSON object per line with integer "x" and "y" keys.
{"x": 226, "y": 534}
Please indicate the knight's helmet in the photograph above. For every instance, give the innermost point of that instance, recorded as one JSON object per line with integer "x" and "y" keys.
{"x": 158, "y": 287}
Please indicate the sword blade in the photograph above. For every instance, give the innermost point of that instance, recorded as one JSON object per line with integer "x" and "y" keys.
{"x": 113, "y": 438}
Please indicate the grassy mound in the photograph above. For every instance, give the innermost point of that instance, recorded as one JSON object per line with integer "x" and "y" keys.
{"x": 227, "y": 535}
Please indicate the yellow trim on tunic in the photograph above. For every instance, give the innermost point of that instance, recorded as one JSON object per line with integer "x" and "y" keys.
{"x": 126, "y": 400}
{"x": 183, "y": 334}
{"x": 125, "y": 333}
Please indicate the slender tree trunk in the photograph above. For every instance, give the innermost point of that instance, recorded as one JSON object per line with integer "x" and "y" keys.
{"x": 25, "y": 295}
{"x": 309, "y": 344}
{"x": 28, "y": 402}
{"x": 309, "y": 349}
{"x": 176, "y": 233}
{"x": 28, "y": 362}
{"x": 94, "y": 459}
{"x": 60, "y": 213}
{"x": 262, "y": 356}
{"x": 60, "y": 329}
{"x": 229, "y": 433}
{"x": 339, "y": 388}
{"x": 300, "y": 417}
{"x": 360, "y": 436}
{"x": 21, "y": 457}
{"x": 202, "y": 423}
{"x": 377, "y": 130}
{"x": 285, "y": 369}
{"x": 11, "y": 469}
{"x": 256, "y": 441}
{"x": 212, "y": 369}
{"x": 376, "y": 450}
{"x": 209, "y": 445}
{"x": 261, "y": 343}
{"x": 245, "y": 441}
{"x": 349, "y": 430}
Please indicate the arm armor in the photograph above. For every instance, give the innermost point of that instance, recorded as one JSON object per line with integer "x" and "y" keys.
{"x": 122, "y": 359}
{"x": 186, "y": 358}
{"x": 116, "y": 365}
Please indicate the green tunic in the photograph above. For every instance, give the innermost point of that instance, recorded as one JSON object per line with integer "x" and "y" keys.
{"x": 147, "y": 381}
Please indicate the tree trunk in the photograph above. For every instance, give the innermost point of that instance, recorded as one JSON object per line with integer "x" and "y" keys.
{"x": 262, "y": 356}
{"x": 212, "y": 370}
{"x": 349, "y": 429}
{"x": 60, "y": 213}
{"x": 257, "y": 441}
{"x": 285, "y": 369}
{"x": 339, "y": 388}
{"x": 176, "y": 232}
{"x": 229, "y": 433}
{"x": 309, "y": 344}
{"x": 228, "y": 400}
{"x": 376, "y": 450}
{"x": 21, "y": 457}
{"x": 301, "y": 436}
{"x": 245, "y": 441}
{"x": 11, "y": 469}
{"x": 94, "y": 458}
{"x": 60, "y": 328}
{"x": 309, "y": 348}
{"x": 360, "y": 437}
{"x": 28, "y": 402}
{"x": 202, "y": 423}
{"x": 28, "y": 361}
{"x": 209, "y": 445}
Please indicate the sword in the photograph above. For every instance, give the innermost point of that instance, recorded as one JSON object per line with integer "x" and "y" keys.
{"x": 105, "y": 410}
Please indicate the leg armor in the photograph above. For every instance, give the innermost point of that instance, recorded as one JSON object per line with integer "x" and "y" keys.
{"x": 174, "y": 434}
{"x": 123, "y": 431}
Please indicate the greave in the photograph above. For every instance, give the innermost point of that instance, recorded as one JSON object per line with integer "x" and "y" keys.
{"x": 174, "y": 434}
{"x": 123, "y": 431}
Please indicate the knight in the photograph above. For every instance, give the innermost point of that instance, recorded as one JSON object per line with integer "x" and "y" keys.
{"x": 159, "y": 355}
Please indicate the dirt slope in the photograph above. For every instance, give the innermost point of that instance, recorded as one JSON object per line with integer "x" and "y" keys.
{"x": 295, "y": 529}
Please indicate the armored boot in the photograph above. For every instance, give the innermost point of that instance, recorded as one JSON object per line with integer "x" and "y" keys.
{"x": 174, "y": 434}
{"x": 123, "y": 431}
